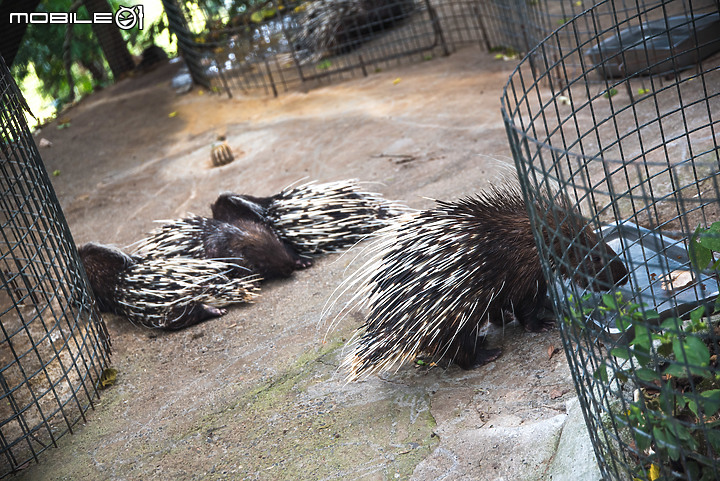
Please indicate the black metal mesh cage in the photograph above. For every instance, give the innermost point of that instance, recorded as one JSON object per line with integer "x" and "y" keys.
{"x": 54, "y": 345}
{"x": 621, "y": 123}
{"x": 280, "y": 45}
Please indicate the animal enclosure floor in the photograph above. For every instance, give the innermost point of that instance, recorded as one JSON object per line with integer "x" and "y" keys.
{"x": 258, "y": 394}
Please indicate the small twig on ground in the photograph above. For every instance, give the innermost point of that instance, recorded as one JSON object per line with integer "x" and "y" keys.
{"x": 397, "y": 158}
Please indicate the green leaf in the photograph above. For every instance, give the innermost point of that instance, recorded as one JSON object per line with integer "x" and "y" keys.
{"x": 647, "y": 375}
{"x": 665, "y": 348}
{"x": 676, "y": 370}
{"x": 700, "y": 255}
{"x": 623, "y": 323}
{"x": 710, "y": 240}
{"x": 642, "y": 338}
{"x": 621, "y": 352}
{"x": 710, "y": 401}
{"x": 671, "y": 324}
{"x": 610, "y": 301}
{"x": 713, "y": 437}
{"x": 642, "y": 355}
{"x": 694, "y": 349}
{"x": 667, "y": 441}
{"x": 601, "y": 372}
{"x": 642, "y": 439}
{"x": 693, "y": 407}
{"x": 697, "y": 313}
{"x": 710, "y": 237}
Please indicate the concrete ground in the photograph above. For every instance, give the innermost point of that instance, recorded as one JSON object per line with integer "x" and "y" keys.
{"x": 258, "y": 394}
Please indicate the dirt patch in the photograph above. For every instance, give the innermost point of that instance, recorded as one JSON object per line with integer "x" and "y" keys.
{"x": 257, "y": 394}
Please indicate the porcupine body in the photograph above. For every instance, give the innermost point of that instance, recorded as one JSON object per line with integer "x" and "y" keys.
{"x": 331, "y": 27}
{"x": 313, "y": 218}
{"x": 250, "y": 245}
{"x": 439, "y": 277}
{"x": 162, "y": 293}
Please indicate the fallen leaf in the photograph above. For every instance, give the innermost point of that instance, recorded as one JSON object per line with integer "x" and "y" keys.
{"x": 677, "y": 279}
{"x": 172, "y": 114}
{"x": 654, "y": 472}
{"x": 56, "y": 173}
{"x": 107, "y": 378}
{"x": 397, "y": 81}
{"x": 44, "y": 143}
{"x": 557, "y": 392}
{"x": 552, "y": 350}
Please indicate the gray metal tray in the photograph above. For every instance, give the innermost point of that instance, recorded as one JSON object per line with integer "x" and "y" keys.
{"x": 660, "y": 274}
{"x": 658, "y": 47}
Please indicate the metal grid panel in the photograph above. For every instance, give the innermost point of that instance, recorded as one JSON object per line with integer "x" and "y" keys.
{"x": 629, "y": 135}
{"x": 54, "y": 345}
{"x": 304, "y": 44}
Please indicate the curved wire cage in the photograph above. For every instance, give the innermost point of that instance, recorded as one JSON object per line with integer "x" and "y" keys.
{"x": 53, "y": 345}
{"x": 277, "y": 46}
{"x": 622, "y": 123}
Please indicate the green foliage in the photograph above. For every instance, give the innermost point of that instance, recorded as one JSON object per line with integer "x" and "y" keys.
{"x": 41, "y": 53}
{"x": 674, "y": 365}
{"x": 610, "y": 93}
{"x": 324, "y": 65}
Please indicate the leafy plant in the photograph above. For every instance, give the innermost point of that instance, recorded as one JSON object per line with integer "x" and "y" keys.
{"x": 674, "y": 417}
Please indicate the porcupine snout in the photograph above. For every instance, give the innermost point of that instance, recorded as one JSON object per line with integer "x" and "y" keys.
{"x": 600, "y": 268}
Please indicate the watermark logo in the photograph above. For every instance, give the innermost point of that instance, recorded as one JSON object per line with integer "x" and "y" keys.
{"x": 125, "y": 18}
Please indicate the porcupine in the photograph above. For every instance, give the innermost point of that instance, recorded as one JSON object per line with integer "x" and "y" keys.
{"x": 250, "y": 246}
{"x": 330, "y": 27}
{"x": 313, "y": 218}
{"x": 162, "y": 293}
{"x": 439, "y": 276}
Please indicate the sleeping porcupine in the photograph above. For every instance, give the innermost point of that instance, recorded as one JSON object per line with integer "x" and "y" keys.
{"x": 439, "y": 276}
{"x": 313, "y": 218}
{"x": 162, "y": 293}
{"x": 251, "y": 246}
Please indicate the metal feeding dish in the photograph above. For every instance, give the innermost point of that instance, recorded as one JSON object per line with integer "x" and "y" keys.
{"x": 658, "y": 47}
{"x": 661, "y": 277}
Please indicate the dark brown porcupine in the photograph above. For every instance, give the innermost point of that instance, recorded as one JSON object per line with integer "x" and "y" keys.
{"x": 438, "y": 277}
{"x": 162, "y": 293}
{"x": 313, "y": 218}
{"x": 251, "y": 246}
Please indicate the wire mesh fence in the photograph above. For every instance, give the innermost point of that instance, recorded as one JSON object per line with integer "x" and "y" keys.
{"x": 289, "y": 45}
{"x": 624, "y": 127}
{"x": 54, "y": 346}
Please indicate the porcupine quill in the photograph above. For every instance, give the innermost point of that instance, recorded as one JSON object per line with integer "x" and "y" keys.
{"x": 162, "y": 293}
{"x": 437, "y": 278}
{"x": 314, "y": 218}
